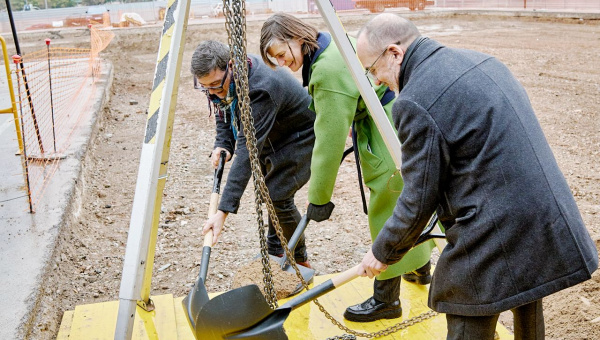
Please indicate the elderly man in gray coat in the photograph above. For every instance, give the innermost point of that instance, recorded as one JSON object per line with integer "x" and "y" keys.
{"x": 474, "y": 152}
{"x": 284, "y": 136}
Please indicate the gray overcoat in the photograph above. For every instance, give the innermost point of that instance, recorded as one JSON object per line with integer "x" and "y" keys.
{"x": 284, "y": 132}
{"x": 473, "y": 150}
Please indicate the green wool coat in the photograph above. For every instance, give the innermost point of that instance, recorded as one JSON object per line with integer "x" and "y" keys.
{"x": 337, "y": 103}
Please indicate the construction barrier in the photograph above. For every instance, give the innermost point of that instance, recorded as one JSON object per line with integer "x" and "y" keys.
{"x": 54, "y": 86}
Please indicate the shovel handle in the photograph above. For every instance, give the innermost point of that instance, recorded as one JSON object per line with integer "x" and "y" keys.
{"x": 325, "y": 287}
{"x": 212, "y": 209}
{"x": 293, "y": 242}
{"x": 345, "y": 277}
{"x": 214, "y": 197}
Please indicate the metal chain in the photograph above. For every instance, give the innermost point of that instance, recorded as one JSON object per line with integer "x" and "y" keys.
{"x": 392, "y": 329}
{"x": 342, "y": 337}
{"x": 235, "y": 23}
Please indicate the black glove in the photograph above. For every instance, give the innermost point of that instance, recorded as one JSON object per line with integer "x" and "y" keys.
{"x": 319, "y": 213}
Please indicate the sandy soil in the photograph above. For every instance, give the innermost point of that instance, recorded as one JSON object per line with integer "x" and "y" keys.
{"x": 556, "y": 60}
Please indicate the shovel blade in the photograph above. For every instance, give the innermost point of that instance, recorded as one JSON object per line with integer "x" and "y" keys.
{"x": 193, "y": 302}
{"x": 231, "y": 312}
{"x": 308, "y": 274}
{"x": 270, "y": 328}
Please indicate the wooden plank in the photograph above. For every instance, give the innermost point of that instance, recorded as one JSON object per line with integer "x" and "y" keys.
{"x": 307, "y": 322}
{"x": 162, "y": 320}
{"x": 98, "y": 320}
{"x": 168, "y": 321}
{"x": 65, "y": 326}
{"x": 184, "y": 332}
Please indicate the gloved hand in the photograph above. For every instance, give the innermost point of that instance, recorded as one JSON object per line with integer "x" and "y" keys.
{"x": 319, "y": 213}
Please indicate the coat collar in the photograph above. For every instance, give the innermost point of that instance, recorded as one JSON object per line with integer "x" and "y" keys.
{"x": 416, "y": 53}
{"x": 323, "y": 39}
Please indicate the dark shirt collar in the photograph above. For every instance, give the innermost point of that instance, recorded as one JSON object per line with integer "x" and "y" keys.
{"x": 416, "y": 53}
{"x": 323, "y": 40}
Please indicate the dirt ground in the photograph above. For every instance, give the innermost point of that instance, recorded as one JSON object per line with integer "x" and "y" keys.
{"x": 556, "y": 60}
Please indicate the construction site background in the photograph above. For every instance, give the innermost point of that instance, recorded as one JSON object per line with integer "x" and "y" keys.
{"x": 153, "y": 11}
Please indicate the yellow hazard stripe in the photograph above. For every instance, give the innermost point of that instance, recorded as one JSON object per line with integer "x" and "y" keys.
{"x": 160, "y": 73}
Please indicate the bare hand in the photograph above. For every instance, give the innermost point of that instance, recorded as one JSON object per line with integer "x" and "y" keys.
{"x": 215, "y": 222}
{"x": 370, "y": 266}
{"x": 216, "y": 154}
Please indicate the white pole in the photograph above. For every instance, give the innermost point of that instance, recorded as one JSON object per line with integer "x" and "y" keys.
{"x": 366, "y": 90}
{"x": 155, "y": 151}
{"x": 364, "y": 86}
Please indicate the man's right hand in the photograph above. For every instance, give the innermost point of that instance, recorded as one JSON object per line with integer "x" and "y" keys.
{"x": 214, "y": 157}
{"x": 216, "y": 223}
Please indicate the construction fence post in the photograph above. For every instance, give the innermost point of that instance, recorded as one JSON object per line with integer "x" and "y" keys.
{"x": 11, "y": 91}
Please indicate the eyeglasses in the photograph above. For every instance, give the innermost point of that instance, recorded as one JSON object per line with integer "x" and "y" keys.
{"x": 201, "y": 87}
{"x": 368, "y": 70}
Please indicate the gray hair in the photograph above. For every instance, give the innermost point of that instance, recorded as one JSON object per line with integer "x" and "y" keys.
{"x": 387, "y": 28}
{"x": 208, "y": 56}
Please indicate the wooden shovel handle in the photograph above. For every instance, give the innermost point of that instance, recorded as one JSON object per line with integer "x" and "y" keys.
{"x": 345, "y": 277}
{"x": 323, "y": 288}
{"x": 214, "y": 197}
{"x": 212, "y": 209}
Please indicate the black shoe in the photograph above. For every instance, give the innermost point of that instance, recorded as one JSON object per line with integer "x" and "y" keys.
{"x": 420, "y": 276}
{"x": 372, "y": 310}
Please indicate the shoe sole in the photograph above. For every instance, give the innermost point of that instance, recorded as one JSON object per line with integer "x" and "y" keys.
{"x": 390, "y": 314}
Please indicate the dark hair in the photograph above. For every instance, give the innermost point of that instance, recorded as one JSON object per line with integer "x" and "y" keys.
{"x": 284, "y": 27}
{"x": 208, "y": 56}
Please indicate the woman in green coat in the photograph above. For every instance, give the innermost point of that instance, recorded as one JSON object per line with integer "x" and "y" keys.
{"x": 288, "y": 41}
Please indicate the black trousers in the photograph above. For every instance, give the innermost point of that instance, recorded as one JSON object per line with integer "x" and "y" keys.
{"x": 528, "y": 324}
{"x": 289, "y": 217}
{"x": 387, "y": 290}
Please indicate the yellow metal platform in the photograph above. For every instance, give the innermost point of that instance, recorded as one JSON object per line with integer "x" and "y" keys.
{"x": 168, "y": 320}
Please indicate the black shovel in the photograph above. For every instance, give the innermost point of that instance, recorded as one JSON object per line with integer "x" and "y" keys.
{"x": 198, "y": 296}
{"x": 244, "y": 313}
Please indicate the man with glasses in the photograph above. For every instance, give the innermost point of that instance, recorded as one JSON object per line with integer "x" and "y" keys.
{"x": 284, "y": 137}
{"x": 474, "y": 152}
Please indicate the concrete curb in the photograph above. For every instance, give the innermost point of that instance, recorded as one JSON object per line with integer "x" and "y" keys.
{"x": 43, "y": 229}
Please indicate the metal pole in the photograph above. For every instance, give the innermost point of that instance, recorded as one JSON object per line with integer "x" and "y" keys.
{"x": 51, "y": 100}
{"x": 152, "y": 174}
{"x": 364, "y": 86}
{"x": 18, "y": 48}
{"x": 11, "y": 91}
{"x": 16, "y": 60}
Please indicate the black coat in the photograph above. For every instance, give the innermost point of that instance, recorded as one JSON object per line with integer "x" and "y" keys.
{"x": 473, "y": 150}
{"x": 284, "y": 132}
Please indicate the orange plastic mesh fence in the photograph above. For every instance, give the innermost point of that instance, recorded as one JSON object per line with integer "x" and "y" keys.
{"x": 55, "y": 86}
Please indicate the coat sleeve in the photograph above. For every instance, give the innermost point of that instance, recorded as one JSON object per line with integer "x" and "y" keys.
{"x": 224, "y": 135}
{"x": 334, "y": 114}
{"x": 424, "y": 160}
{"x": 264, "y": 113}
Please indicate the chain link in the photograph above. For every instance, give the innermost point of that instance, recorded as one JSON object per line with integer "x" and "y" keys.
{"x": 342, "y": 337}
{"x": 235, "y": 23}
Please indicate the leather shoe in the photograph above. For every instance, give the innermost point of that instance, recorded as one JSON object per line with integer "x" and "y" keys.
{"x": 420, "y": 276}
{"x": 372, "y": 310}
